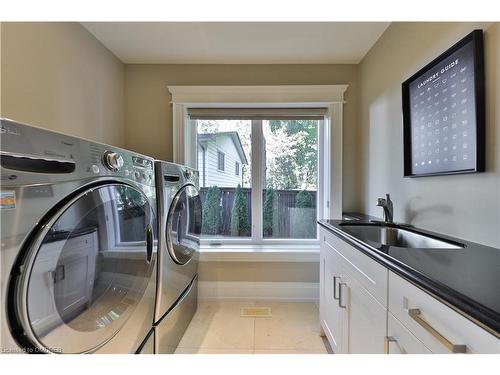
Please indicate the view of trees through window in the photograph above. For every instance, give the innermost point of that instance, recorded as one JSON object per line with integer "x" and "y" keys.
{"x": 289, "y": 172}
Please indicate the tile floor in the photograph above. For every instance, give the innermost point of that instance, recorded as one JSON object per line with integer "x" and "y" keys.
{"x": 218, "y": 328}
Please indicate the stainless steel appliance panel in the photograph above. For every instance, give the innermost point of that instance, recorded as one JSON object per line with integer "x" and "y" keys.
{"x": 169, "y": 331}
{"x": 148, "y": 346}
{"x": 180, "y": 216}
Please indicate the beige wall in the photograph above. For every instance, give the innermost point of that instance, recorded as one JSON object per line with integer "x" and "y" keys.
{"x": 58, "y": 76}
{"x": 466, "y": 206}
{"x": 149, "y": 114}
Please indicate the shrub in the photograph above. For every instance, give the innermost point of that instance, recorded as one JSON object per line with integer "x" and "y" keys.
{"x": 303, "y": 216}
{"x": 270, "y": 214}
{"x": 239, "y": 219}
{"x": 304, "y": 199}
{"x": 212, "y": 212}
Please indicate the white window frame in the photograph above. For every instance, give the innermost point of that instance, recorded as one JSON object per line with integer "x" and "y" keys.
{"x": 236, "y": 168}
{"x": 329, "y": 205}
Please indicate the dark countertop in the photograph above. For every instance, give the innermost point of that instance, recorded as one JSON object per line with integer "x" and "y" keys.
{"x": 466, "y": 279}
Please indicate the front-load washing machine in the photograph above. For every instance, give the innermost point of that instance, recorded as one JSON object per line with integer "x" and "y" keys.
{"x": 180, "y": 217}
{"x": 78, "y": 244}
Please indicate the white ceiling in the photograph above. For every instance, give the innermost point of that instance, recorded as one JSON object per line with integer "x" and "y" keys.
{"x": 238, "y": 42}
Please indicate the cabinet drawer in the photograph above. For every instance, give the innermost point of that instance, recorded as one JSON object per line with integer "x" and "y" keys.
{"x": 370, "y": 274}
{"x": 436, "y": 325}
{"x": 402, "y": 341}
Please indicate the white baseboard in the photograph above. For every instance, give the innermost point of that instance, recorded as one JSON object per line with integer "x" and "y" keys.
{"x": 258, "y": 291}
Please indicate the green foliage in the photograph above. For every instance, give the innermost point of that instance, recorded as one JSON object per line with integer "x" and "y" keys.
{"x": 304, "y": 199}
{"x": 297, "y": 168}
{"x": 239, "y": 220}
{"x": 286, "y": 178}
{"x": 212, "y": 212}
{"x": 270, "y": 212}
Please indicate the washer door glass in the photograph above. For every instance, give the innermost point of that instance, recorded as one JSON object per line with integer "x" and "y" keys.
{"x": 184, "y": 225}
{"x": 89, "y": 268}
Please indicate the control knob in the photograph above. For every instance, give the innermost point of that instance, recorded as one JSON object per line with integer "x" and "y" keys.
{"x": 113, "y": 160}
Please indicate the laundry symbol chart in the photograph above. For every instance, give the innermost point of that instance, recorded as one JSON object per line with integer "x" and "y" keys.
{"x": 443, "y": 114}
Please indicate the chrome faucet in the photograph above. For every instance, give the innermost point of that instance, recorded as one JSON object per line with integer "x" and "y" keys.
{"x": 386, "y": 204}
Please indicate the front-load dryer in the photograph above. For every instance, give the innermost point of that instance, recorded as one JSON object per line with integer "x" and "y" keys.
{"x": 180, "y": 218}
{"x": 78, "y": 244}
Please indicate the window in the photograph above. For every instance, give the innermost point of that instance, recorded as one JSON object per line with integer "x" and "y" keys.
{"x": 193, "y": 103}
{"x": 220, "y": 161}
{"x": 275, "y": 197}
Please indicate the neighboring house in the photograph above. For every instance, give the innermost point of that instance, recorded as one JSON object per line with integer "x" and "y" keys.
{"x": 220, "y": 159}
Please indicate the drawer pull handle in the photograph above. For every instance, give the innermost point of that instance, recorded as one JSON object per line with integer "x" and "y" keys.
{"x": 415, "y": 315}
{"x": 387, "y": 342}
{"x": 340, "y": 295}
{"x": 335, "y": 278}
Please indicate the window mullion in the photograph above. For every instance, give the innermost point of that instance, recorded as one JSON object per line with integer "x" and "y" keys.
{"x": 258, "y": 171}
{"x": 322, "y": 203}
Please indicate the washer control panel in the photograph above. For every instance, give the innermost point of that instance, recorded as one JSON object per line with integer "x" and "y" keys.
{"x": 109, "y": 161}
{"x": 143, "y": 169}
{"x": 112, "y": 160}
{"x": 58, "y": 157}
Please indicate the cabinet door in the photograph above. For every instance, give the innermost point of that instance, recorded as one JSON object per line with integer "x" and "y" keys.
{"x": 331, "y": 316}
{"x": 75, "y": 292}
{"x": 365, "y": 325}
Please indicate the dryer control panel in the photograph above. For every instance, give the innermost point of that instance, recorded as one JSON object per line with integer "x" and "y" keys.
{"x": 177, "y": 175}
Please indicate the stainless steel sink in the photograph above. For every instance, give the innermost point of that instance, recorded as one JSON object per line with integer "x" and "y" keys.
{"x": 392, "y": 235}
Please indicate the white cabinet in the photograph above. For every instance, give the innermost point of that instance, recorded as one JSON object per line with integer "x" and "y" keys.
{"x": 437, "y": 326}
{"x": 365, "y": 308}
{"x": 400, "y": 340}
{"x": 63, "y": 280}
{"x": 370, "y": 274}
{"x": 353, "y": 320}
{"x": 330, "y": 312}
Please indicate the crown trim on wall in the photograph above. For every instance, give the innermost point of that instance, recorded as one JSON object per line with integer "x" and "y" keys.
{"x": 263, "y": 95}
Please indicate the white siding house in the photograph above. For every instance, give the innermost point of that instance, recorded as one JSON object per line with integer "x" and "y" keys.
{"x": 220, "y": 159}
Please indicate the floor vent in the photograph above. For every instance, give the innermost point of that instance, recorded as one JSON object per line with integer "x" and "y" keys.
{"x": 256, "y": 312}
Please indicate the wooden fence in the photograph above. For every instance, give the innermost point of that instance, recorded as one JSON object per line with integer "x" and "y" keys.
{"x": 286, "y": 199}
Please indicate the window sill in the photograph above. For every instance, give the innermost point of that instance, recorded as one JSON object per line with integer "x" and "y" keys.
{"x": 260, "y": 253}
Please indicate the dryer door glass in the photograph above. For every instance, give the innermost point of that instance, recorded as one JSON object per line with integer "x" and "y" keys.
{"x": 89, "y": 268}
{"x": 184, "y": 225}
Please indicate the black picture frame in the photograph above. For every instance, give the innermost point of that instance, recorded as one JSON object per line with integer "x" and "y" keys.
{"x": 474, "y": 39}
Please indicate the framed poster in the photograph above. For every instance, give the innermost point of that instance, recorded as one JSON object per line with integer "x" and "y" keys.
{"x": 443, "y": 112}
